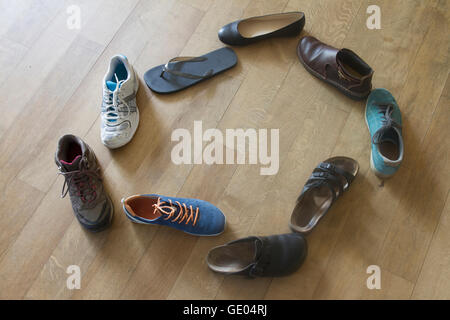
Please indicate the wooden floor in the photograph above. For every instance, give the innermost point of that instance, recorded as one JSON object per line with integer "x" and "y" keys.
{"x": 51, "y": 85}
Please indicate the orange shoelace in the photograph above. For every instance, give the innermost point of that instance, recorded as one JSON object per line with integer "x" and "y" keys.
{"x": 169, "y": 210}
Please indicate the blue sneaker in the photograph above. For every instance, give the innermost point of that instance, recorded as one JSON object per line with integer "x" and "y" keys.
{"x": 384, "y": 120}
{"x": 193, "y": 216}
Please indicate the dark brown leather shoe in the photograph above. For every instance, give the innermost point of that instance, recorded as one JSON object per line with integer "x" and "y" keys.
{"x": 272, "y": 256}
{"x": 343, "y": 68}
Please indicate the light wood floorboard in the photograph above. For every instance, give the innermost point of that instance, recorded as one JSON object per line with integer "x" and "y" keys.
{"x": 51, "y": 85}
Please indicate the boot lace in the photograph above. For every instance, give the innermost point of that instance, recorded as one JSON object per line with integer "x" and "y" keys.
{"x": 82, "y": 181}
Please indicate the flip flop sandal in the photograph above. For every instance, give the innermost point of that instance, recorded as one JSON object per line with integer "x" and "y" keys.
{"x": 327, "y": 182}
{"x": 183, "y": 72}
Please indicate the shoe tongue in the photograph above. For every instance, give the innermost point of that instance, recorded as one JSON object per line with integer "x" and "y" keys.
{"x": 71, "y": 166}
{"x": 111, "y": 85}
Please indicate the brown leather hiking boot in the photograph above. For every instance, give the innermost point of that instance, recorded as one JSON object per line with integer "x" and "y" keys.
{"x": 77, "y": 163}
{"x": 343, "y": 68}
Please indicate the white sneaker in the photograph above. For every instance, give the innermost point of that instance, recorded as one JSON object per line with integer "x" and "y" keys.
{"x": 120, "y": 115}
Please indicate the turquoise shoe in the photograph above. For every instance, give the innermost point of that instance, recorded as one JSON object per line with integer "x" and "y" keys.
{"x": 384, "y": 120}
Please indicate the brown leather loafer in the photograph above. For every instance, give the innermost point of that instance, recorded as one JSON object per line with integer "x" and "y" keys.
{"x": 343, "y": 68}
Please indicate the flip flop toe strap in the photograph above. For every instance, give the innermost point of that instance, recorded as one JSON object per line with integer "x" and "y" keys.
{"x": 177, "y": 60}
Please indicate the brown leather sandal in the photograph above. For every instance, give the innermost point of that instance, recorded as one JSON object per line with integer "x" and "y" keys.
{"x": 327, "y": 182}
